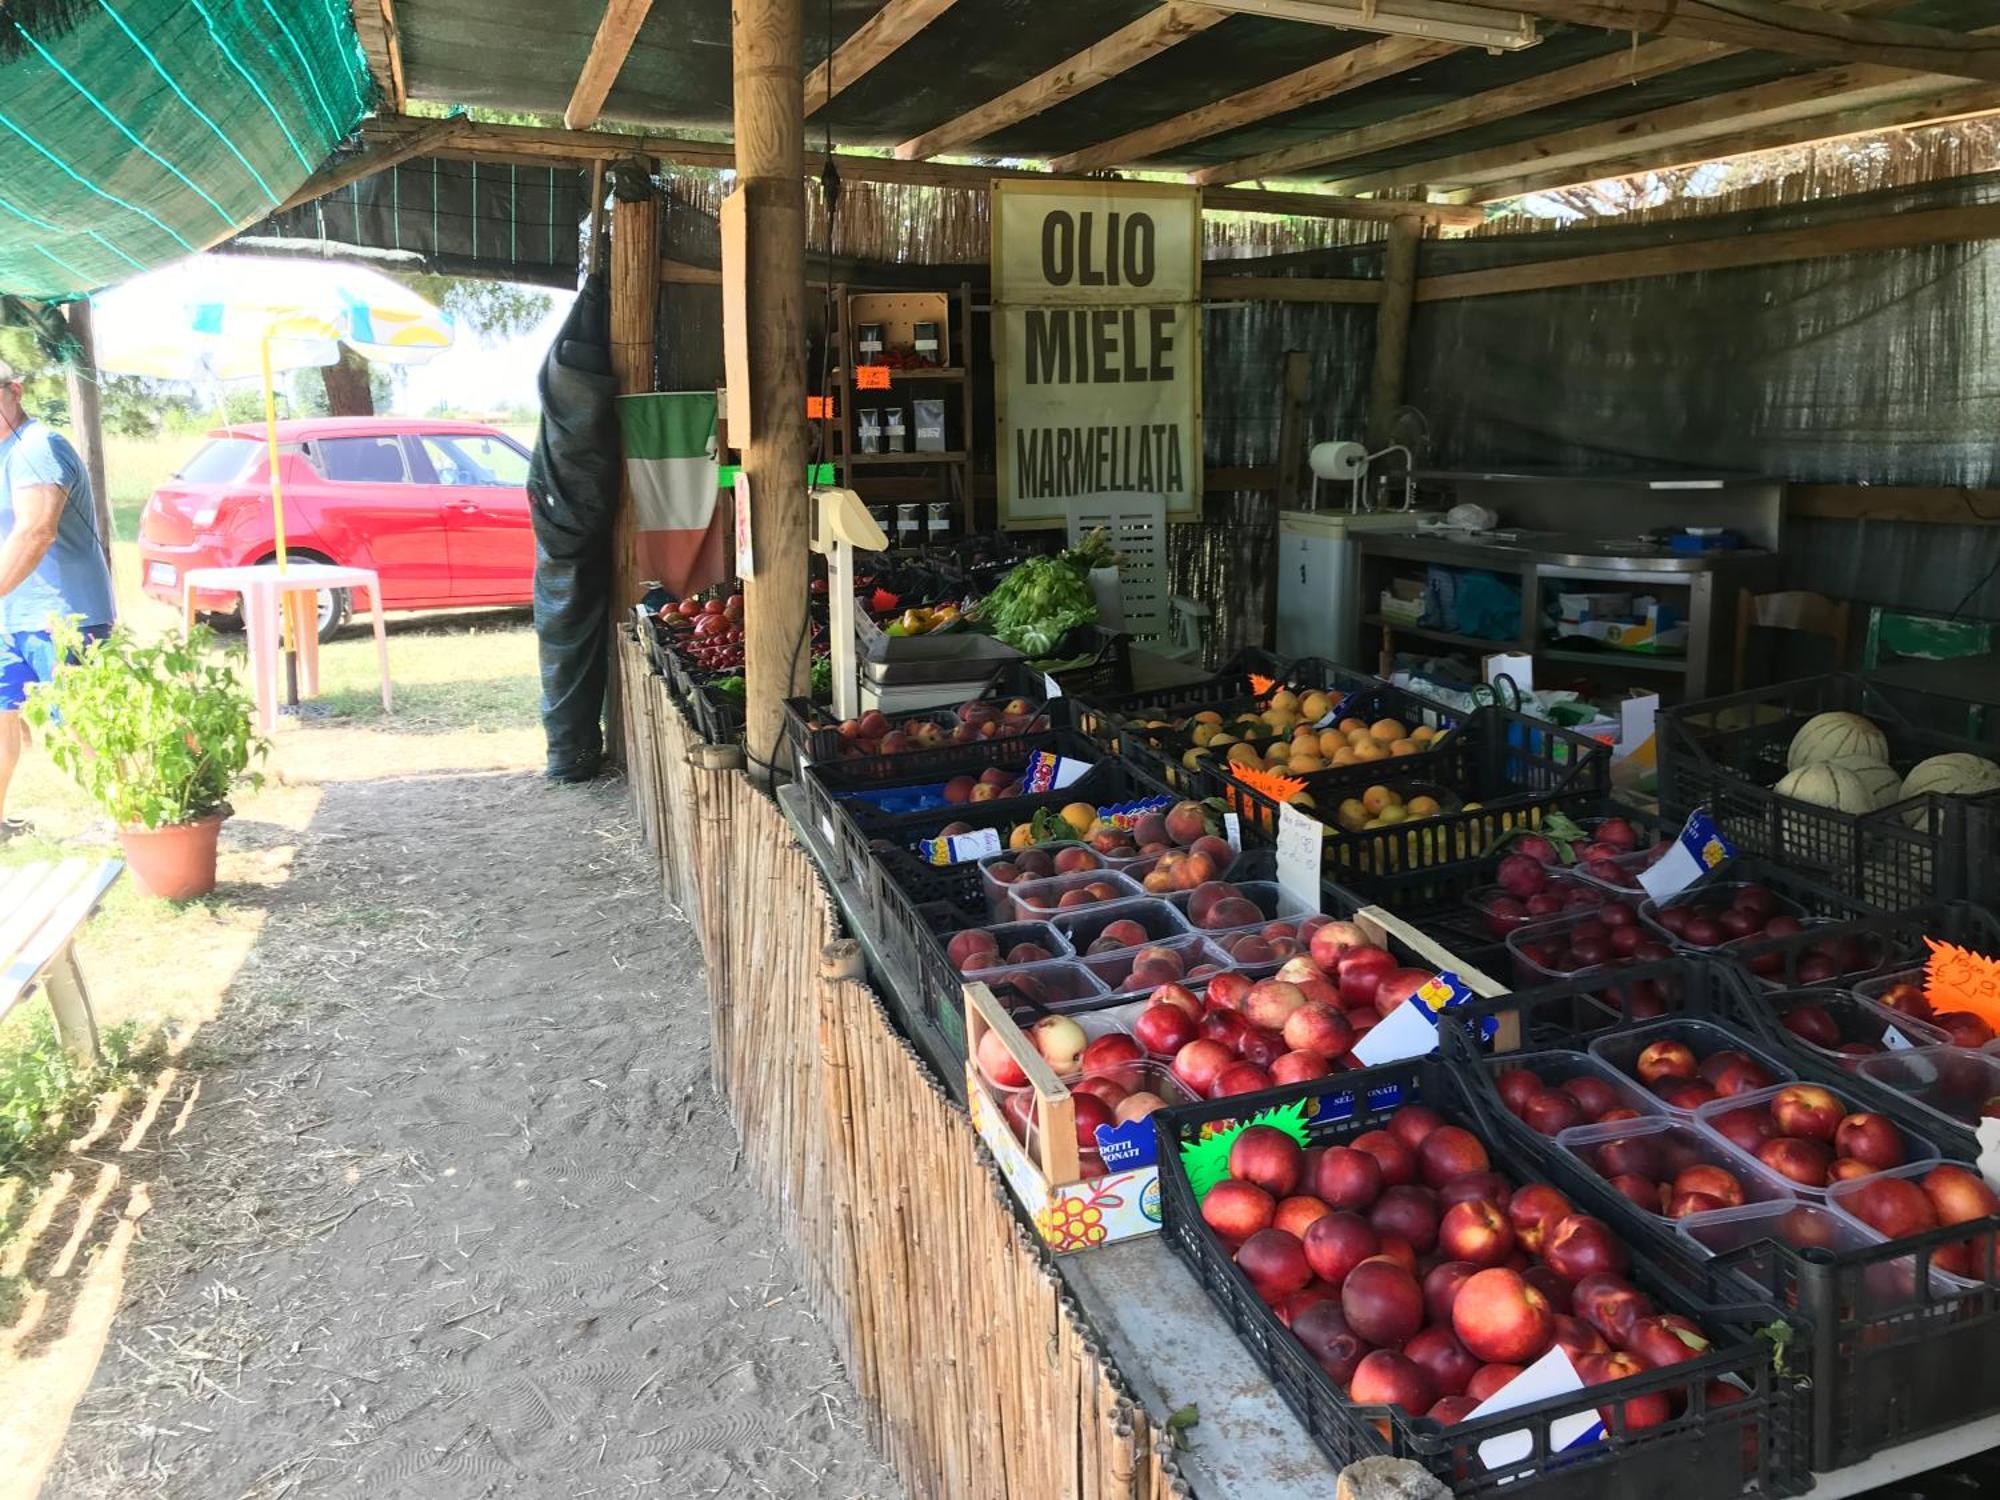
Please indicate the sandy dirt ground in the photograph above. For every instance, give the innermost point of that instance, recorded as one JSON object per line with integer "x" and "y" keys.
{"x": 440, "y": 1204}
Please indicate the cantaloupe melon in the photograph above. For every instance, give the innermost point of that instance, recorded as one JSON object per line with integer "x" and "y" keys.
{"x": 1837, "y": 736}
{"x": 1827, "y": 785}
{"x": 1884, "y": 781}
{"x": 1955, "y": 774}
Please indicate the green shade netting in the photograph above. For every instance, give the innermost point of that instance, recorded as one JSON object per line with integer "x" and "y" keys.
{"x": 134, "y": 132}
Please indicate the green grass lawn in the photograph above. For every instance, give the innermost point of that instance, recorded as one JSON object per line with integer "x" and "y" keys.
{"x": 467, "y": 692}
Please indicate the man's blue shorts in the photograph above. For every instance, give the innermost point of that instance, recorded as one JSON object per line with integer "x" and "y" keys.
{"x": 28, "y": 657}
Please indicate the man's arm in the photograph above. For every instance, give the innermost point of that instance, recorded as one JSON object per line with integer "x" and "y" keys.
{"x": 38, "y": 512}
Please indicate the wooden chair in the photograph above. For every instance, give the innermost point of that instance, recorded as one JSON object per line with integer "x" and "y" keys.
{"x": 42, "y": 909}
{"x": 1812, "y": 614}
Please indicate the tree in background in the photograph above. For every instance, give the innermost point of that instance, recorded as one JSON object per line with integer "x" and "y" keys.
{"x": 494, "y": 310}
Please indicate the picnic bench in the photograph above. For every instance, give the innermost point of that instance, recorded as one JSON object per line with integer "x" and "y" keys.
{"x": 42, "y": 909}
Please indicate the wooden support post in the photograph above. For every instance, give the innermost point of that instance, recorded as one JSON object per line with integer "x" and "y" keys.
{"x": 635, "y": 303}
{"x": 1291, "y": 470}
{"x": 768, "y": 264}
{"x": 86, "y": 416}
{"x": 1392, "y": 326}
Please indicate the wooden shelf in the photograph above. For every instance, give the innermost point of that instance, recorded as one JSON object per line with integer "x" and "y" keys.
{"x": 874, "y": 459}
{"x": 1449, "y": 638}
{"x": 1635, "y": 660}
{"x": 944, "y": 373}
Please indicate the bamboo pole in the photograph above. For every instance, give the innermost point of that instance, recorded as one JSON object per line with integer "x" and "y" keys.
{"x": 767, "y": 38}
{"x": 86, "y": 416}
{"x": 1392, "y": 327}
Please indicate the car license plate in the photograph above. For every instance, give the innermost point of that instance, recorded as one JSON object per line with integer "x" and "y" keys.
{"x": 159, "y": 572}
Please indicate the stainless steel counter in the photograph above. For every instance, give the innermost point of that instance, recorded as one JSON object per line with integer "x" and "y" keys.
{"x": 1712, "y": 580}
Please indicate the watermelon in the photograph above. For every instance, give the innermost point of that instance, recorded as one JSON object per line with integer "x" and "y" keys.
{"x": 1955, "y": 774}
{"x": 1837, "y": 736}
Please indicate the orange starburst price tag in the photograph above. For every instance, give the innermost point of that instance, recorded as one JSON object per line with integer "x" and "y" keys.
{"x": 871, "y": 377}
{"x": 1270, "y": 783}
{"x": 1956, "y": 978}
{"x": 1262, "y": 685}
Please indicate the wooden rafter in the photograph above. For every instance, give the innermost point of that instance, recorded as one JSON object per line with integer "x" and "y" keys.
{"x": 1776, "y": 26}
{"x": 382, "y": 44}
{"x": 539, "y": 144}
{"x": 377, "y": 158}
{"x": 1153, "y": 33}
{"x": 608, "y": 51}
{"x": 1682, "y": 128}
{"x": 1620, "y": 69}
{"x": 1945, "y": 226}
{"x": 875, "y": 39}
{"x": 1932, "y": 109}
{"x": 1350, "y": 70}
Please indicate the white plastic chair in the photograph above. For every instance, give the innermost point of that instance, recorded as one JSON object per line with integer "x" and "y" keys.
{"x": 1136, "y": 526}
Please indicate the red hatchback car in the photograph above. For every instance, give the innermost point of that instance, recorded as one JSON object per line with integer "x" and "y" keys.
{"x": 438, "y": 509}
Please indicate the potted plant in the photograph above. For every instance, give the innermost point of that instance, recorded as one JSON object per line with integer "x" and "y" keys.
{"x": 156, "y": 734}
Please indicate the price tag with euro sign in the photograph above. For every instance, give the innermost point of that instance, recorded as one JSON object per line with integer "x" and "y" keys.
{"x": 1701, "y": 849}
{"x": 1411, "y": 1029}
{"x": 871, "y": 377}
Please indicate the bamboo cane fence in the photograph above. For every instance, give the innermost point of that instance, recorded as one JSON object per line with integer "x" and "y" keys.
{"x": 977, "y": 1373}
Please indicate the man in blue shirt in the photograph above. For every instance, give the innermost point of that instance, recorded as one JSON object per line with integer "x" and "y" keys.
{"x": 51, "y": 565}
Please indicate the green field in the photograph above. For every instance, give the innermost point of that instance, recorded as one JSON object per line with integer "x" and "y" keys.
{"x": 467, "y": 693}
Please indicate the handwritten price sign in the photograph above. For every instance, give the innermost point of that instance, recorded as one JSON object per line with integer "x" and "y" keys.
{"x": 871, "y": 377}
{"x": 1956, "y": 978}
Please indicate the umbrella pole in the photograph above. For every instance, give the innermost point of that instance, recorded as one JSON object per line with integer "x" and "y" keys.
{"x": 278, "y": 525}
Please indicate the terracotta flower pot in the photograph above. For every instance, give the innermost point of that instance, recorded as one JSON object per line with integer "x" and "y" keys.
{"x": 176, "y": 862}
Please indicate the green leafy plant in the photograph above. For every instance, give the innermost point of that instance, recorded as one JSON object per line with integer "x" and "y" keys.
{"x": 153, "y": 732}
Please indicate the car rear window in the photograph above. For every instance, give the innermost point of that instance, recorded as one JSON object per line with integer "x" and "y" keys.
{"x": 220, "y": 461}
{"x": 362, "y": 460}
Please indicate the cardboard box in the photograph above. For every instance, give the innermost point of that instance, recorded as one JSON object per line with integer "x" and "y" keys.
{"x": 1075, "y": 1211}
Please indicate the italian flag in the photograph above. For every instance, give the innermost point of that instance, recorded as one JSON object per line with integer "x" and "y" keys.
{"x": 671, "y": 465}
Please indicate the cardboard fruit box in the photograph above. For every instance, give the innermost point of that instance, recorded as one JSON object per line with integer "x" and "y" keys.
{"x": 1078, "y": 1202}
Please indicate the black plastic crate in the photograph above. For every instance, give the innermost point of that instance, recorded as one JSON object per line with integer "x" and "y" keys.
{"x": 1706, "y": 1450}
{"x": 718, "y": 717}
{"x": 911, "y": 901}
{"x": 1900, "y": 937}
{"x": 1728, "y": 753}
{"x": 815, "y": 736}
{"x": 1890, "y": 1357}
{"x": 1100, "y": 662}
{"x": 828, "y": 784}
{"x": 1517, "y": 769}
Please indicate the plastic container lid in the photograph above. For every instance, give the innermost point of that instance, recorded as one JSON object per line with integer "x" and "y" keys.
{"x": 1620, "y": 1050}
{"x": 1918, "y": 1150}
{"x": 1667, "y": 1148}
{"x": 1156, "y": 920}
{"x": 1273, "y": 902}
{"x": 1040, "y": 900}
{"x": 1952, "y": 1084}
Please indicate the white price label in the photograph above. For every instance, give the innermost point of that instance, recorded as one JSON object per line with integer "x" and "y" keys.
{"x": 1894, "y": 1040}
{"x": 1988, "y": 1133}
{"x": 1550, "y": 1376}
{"x": 1050, "y": 687}
{"x": 1232, "y": 830}
{"x": 1410, "y": 1030}
{"x": 1299, "y": 839}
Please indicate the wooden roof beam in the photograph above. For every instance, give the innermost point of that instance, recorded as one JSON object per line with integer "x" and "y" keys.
{"x": 608, "y": 51}
{"x": 1685, "y": 131}
{"x": 534, "y": 143}
{"x": 1936, "y": 109}
{"x": 382, "y": 44}
{"x": 1626, "y": 66}
{"x": 1153, "y": 33}
{"x": 1349, "y": 70}
{"x": 1778, "y": 26}
{"x": 875, "y": 39}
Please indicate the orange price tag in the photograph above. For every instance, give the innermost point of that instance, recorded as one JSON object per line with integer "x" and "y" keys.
{"x": 1270, "y": 783}
{"x": 871, "y": 377}
{"x": 1262, "y": 685}
{"x": 819, "y": 408}
{"x": 1956, "y": 978}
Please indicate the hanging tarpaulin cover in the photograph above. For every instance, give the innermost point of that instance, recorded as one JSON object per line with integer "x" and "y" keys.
{"x": 135, "y": 132}
{"x": 671, "y": 464}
